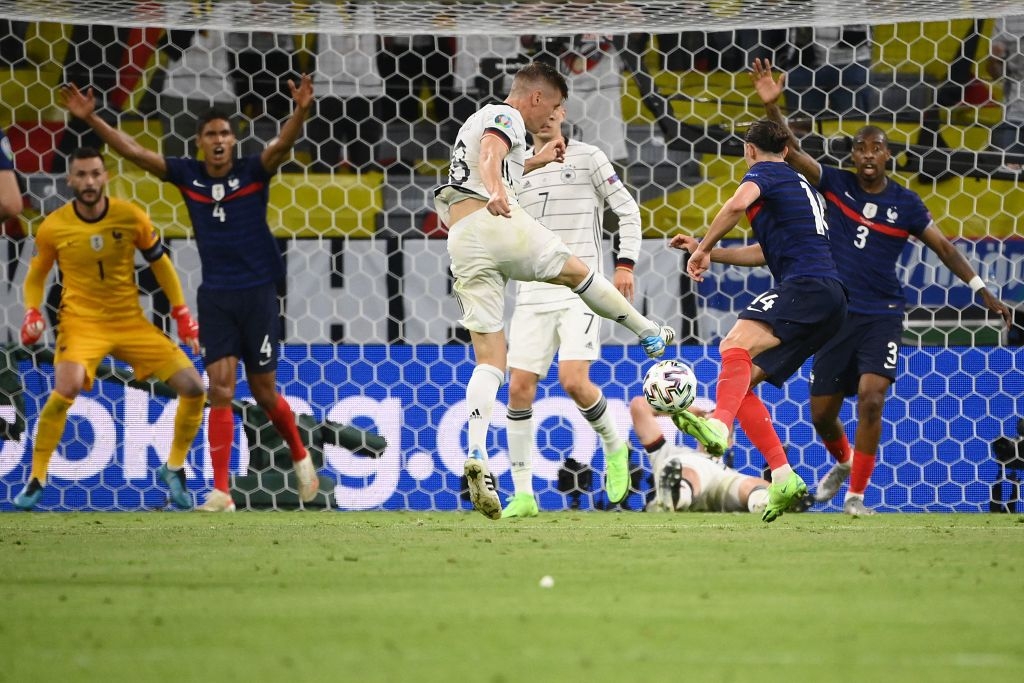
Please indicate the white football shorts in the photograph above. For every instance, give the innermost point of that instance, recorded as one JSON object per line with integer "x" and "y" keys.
{"x": 534, "y": 336}
{"x": 487, "y": 251}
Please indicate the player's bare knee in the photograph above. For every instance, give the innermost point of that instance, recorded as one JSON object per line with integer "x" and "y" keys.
{"x": 639, "y": 407}
{"x": 580, "y": 389}
{"x": 869, "y": 406}
{"x": 521, "y": 391}
{"x": 220, "y": 395}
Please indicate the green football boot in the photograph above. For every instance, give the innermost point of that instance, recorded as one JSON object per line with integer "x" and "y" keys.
{"x": 616, "y": 475}
{"x": 783, "y": 496}
{"x": 521, "y": 505}
{"x": 711, "y": 433}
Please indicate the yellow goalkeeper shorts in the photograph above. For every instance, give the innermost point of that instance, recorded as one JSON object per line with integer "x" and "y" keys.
{"x": 136, "y": 342}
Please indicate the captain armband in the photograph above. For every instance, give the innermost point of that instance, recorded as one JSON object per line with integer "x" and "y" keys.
{"x": 154, "y": 252}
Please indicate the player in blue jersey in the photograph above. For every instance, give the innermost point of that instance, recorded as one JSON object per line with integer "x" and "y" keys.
{"x": 871, "y": 217}
{"x": 782, "y": 327}
{"x": 10, "y": 193}
{"x": 227, "y": 200}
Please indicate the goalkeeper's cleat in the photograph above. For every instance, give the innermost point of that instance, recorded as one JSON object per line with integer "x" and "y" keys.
{"x": 521, "y": 505}
{"x": 175, "y": 480}
{"x": 829, "y": 485}
{"x": 616, "y": 476}
{"x": 30, "y": 495}
{"x": 854, "y": 506}
{"x": 654, "y": 345}
{"x": 782, "y": 497}
{"x": 481, "y": 488}
{"x": 711, "y": 432}
{"x": 308, "y": 481}
{"x": 217, "y": 501}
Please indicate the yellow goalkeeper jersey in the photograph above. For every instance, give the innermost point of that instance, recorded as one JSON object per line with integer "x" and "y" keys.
{"x": 96, "y": 259}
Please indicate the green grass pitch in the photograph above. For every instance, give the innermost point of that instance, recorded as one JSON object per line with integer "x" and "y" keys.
{"x": 455, "y": 597}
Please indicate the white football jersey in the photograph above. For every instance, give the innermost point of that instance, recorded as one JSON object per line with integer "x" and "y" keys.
{"x": 569, "y": 198}
{"x": 715, "y": 478}
{"x": 504, "y": 121}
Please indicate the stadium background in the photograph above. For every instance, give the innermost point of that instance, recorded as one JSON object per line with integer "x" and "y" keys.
{"x": 370, "y": 337}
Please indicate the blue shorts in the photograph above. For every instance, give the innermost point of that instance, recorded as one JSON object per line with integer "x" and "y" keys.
{"x": 865, "y": 344}
{"x": 803, "y": 313}
{"x": 244, "y": 323}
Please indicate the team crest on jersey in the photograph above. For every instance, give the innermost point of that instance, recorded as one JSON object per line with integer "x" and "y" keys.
{"x": 233, "y": 183}
{"x": 96, "y": 242}
{"x": 870, "y": 210}
{"x": 5, "y": 149}
{"x": 892, "y": 214}
{"x": 568, "y": 174}
{"x": 503, "y": 121}
{"x": 116, "y": 234}
{"x": 218, "y": 192}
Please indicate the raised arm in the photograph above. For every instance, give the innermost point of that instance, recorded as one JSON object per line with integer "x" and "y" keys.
{"x": 958, "y": 265}
{"x": 277, "y": 151}
{"x": 749, "y": 255}
{"x": 82, "y": 105}
{"x": 769, "y": 90}
{"x": 726, "y": 219}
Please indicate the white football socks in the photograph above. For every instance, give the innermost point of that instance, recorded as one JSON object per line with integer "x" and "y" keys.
{"x": 602, "y": 298}
{"x": 520, "y": 435}
{"x": 600, "y": 418}
{"x": 481, "y": 393}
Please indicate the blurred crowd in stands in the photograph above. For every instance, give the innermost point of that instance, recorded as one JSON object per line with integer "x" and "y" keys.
{"x": 375, "y": 94}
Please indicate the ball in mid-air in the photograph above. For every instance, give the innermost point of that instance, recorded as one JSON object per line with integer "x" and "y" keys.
{"x": 670, "y": 386}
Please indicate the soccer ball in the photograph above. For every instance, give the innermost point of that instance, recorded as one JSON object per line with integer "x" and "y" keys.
{"x": 670, "y": 386}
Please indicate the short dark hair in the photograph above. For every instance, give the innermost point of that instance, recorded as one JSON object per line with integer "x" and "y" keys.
{"x": 88, "y": 153}
{"x": 768, "y": 136}
{"x": 214, "y": 114}
{"x": 869, "y": 130}
{"x": 542, "y": 71}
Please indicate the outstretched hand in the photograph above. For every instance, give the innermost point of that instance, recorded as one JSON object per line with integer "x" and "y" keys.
{"x": 79, "y": 104}
{"x": 996, "y": 306}
{"x": 767, "y": 87}
{"x": 698, "y": 264}
{"x": 302, "y": 94}
{"x": 684, "y": 242}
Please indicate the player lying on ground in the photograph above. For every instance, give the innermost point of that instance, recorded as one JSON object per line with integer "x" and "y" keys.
{"x": 688, "y": 479}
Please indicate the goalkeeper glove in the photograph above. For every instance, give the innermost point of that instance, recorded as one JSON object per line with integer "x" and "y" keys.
{"x": 32, "y": 327}
{"x": 188, "y": 328}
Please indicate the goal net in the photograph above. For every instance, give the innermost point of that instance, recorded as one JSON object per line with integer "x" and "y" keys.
{"x": 371, "y": 343}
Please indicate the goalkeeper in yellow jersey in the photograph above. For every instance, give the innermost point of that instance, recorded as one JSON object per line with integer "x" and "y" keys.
{"x": 93, "y": 239}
